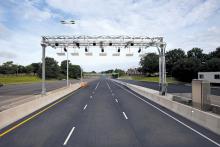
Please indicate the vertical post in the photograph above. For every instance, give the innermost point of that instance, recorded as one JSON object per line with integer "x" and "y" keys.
{"x": 43, "y": 69}
{"x": 160, "y": 78}
{"x": 163, "y": 71}
{"x": 80, "y": 74}
{"x": 67, "y": 69}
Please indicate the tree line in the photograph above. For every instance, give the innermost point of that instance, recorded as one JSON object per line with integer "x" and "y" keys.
{"x": 114, "y": 72}
{"x": 53, "y": 70}
{"x": 182, "y": 66}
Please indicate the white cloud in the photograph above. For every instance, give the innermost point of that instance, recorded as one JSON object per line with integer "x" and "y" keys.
{"x": 7, "y": 55}
{"x": 202, "y": 12}
{"x": 30, "y": 10}
{"x": 38, "y": 15}
{"x": 183, "y": 23}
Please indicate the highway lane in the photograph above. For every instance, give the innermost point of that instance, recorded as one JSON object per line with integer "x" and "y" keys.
{"x": 11, "y": 95}
{"x": 31, "y": 88}
{"x": 106, "y": 114}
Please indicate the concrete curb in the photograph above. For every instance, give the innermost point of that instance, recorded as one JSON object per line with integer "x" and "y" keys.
{"x": 205, "y": 119}
{"x": 13, "y": 114}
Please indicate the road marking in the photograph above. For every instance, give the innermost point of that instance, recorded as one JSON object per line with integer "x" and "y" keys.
{"x": 97, "y": 85}
{"x": 199, "y": 133}
{"x": 108, "y": 86}
{"x": 85, "y": 107}
{"x": 125, "y": 115}
{"x": 33, "y": 116}
{"x": 93, "y": 92}
{"x": 113, "y": 94}
{"x": 68, "y": 137}
{"x": 90, "y": 97}
{"x": 116, "y": 100}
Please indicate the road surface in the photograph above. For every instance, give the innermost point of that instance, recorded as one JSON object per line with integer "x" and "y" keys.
{"x": 105, "y": 114}
{"x": 171, "y": 88}
{"x": 31, "y": 88}
{"x": 12, "y": 95}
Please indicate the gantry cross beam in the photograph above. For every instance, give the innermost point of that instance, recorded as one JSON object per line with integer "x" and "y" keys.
{"x": 102, "y": 41}
{"x": 107, "y": 41}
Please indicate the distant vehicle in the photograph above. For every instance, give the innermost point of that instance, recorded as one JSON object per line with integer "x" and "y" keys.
{"x": 212, "y": 77}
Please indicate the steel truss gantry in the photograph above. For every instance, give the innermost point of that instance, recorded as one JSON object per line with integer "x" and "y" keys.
{"x": 107, "y": 41}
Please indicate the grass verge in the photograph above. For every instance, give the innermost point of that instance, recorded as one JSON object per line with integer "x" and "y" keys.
{"x": 21, "y": 79}
{"x": 150, "y": 79}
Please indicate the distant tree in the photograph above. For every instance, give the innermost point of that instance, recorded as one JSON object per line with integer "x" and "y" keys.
{"x": 29, "y": 69}
{"x": 120, "y": 71}
{"x": 21, "y": 69}
{"x": 63, "y": 66}
{"x": 35, "y": 67}
{"x": 150, "y": 63}
{"x": 211, "y": 65}
{"x": 93, "y": 72}
{"x": 108, "y": 71}
{"x": 52, "y": 68}
{"x": 186, "y": 69}
{"x": 172, "y": 57}
{"x": 74, "y": 70}
{"x": 215, "y": 54}
{"x": 8, "y": 68}
{"x": 197, "y": 53}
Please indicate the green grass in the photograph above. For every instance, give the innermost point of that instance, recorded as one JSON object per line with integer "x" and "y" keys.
{"x": 19, "y": 79}
{"x": 150, "y": 79}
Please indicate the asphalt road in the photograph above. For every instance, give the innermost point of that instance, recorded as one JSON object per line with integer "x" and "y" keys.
{"x": 107, "y": 115}
{"x": 31, "y": 88}
{"x": 171, "y": 88}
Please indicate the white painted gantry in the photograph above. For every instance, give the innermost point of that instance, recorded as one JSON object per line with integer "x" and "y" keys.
{"x": 107, "y": 41}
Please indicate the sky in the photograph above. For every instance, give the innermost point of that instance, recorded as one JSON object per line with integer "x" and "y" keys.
{"x": 183, "y": 24}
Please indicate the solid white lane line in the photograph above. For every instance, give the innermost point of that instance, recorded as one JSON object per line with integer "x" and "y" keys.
{"x": 199, "y": 133}
{"x": 90, "y": 97}
{"x": 116, "y": 100}
{"x": 68, "y": 137}
{"x": 85, "y": 107}
{"x": 97, "y": 85}
{"x": 125, "y": 115}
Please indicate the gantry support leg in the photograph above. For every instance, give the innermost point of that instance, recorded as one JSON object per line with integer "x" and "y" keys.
{"x": 162, "y": 71}
{"x": 43, "y": 69}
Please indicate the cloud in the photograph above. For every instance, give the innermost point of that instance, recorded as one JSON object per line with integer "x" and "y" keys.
{"x": 202, "y": 11}
{"x": 184, "y": 24}
{"x": 30, "y": 10}
{"x": 8, "y": 55}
